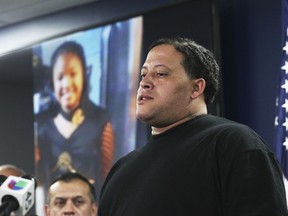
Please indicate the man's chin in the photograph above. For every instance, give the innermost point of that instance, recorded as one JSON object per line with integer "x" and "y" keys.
{"x": 145, "y": 118}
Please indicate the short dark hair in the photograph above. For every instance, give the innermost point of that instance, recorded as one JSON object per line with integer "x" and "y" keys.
{"x": 70, "y": 47}
{"x": 70, "y": 176}
{"x": 198, "y": 62}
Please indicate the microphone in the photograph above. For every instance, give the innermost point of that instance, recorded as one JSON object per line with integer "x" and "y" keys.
{"x": 2, "y": 179}
{"x": 17, "y": 194}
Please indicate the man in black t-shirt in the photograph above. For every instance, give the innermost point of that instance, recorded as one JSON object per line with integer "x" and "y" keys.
{"x": 195, "y": 164}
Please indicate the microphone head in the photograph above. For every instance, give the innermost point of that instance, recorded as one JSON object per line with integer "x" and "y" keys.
{"x": 9, "y": 203}
{"x": 29, "y": 177}
{"x": 22, "y": 189}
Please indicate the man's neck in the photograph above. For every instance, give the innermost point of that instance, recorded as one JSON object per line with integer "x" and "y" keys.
{"x": 157, "y": 130}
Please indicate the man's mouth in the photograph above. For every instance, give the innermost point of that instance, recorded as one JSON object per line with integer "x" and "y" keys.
{"x": 144, "y": 98}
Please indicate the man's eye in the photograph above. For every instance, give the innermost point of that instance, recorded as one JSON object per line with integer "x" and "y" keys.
{"x": 160, "y": 74}
{"x": 60, "y": 203}
{"x": 142, "y": 76}
{"x": 78, "y": 202}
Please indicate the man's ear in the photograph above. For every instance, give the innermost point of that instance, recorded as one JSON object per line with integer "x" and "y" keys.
{"x": 94, "y": 209}
{"x": 47, "y": 210}
{"x": 198, "y": 86}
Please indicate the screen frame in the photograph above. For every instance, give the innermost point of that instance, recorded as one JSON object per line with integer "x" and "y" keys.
{"x": 79, "y": 18}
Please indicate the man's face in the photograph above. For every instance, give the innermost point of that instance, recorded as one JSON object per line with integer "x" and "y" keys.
{"x": 164, "y": 93}
{"x": 68, "y": 81}
{"x": 70, "y": 198}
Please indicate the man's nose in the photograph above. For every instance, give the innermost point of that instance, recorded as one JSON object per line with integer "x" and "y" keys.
{"x": 146, "y": 82}
{"x": 69, "y": 208}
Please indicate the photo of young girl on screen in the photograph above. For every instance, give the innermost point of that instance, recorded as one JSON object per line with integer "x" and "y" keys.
{"x": 84, "y": 98}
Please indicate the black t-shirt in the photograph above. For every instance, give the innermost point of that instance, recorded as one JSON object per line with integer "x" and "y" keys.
{"x": 208, "y": 166}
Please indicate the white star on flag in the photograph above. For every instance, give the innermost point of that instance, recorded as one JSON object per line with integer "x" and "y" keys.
{"x": 286, "y": 143}
{"x": 285, "y": 86}
{"x": 285, "y": 124}
{"x": 285, "y": 48}
{"x": 285, "y": 67}
{"x": 285, "y": 105}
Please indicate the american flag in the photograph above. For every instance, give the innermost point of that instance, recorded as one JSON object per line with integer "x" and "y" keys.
{"x": 281, "y": 121}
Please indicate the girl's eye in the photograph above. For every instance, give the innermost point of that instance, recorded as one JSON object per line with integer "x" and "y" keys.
{"x": 73, "y": 74}
{"x": 59, "y": 77}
